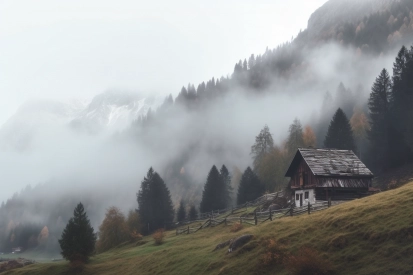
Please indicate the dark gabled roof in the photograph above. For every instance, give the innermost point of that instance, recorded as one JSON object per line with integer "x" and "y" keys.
{"x": 330, "y": 163}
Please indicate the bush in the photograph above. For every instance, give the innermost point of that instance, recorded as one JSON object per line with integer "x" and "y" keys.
{"x": 158, "y": 236}
{"x": 236, "y": 227}
{"x": 275, "y": 253}
{"x": 308, "y": 262}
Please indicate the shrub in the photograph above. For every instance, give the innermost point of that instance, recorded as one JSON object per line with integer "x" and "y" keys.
{"x": 275, "y": 253}
{"x": 135, "y": 236}
{"x": 158, "y": 236}
{"x": 308, "y": 262}
{"x": 236, "y": 227}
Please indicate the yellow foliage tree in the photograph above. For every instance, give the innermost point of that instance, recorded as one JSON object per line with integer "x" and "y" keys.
{"x": 43, "y": 235}
{"x": 113, "y": 230}
{"x": 134, "y": 224}
{"x": 359, "y": 124}
{"x": 309, "y": 137}
{"x": 272, "y": 169}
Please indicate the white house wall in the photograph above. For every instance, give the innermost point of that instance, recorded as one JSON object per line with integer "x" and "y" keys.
{"x": 311, "y": 197}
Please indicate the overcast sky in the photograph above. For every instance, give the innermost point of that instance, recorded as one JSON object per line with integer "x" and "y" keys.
{"x": 77, "y": 49}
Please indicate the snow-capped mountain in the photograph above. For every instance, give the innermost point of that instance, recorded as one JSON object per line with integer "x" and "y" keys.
{"x": 109, "y": 111}
{"x": 115, "y": 111}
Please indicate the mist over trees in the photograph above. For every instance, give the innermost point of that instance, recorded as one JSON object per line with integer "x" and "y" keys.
{"x": 289, "y": 69}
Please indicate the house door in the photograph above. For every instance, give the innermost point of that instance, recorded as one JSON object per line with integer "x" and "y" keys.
{"x": 301, "y": 199}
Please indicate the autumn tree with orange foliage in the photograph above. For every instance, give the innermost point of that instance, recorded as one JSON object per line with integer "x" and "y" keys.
{"x": 113, "y": 230}
{"x": 309, "y": 137}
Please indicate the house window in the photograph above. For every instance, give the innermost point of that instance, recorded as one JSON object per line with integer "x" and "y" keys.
{"x": 306, "y": 195}
{"x": 297, "y": 197}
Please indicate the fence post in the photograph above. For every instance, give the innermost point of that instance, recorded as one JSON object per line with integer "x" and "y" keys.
{"x": 188, "y": 229}
{"x": 309, "y": 208}
{"x": 270, "y": 214}
{"x": 291, "y": 210}
{"x": 329, "y": 201}
{"x": 176, "y": 231}
{"x": 255, "y": 218}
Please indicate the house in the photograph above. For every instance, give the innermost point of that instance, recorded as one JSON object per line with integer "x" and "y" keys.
{"x": 322, "y": 174}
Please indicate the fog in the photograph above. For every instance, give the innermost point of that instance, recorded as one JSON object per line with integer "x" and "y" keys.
{"x": 41, "y": 146}
{"x": 65, "y": 49}
{"x": 223, "y": 133}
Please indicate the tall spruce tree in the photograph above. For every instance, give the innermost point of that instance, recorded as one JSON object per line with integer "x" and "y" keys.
{"x": 339, "y": 133}
{"x": 401, "y": 111}
{"x": 155, "y": 204}
{"x": 264, "y": 143}
{"x": 226, "y": 179}
{"x": 250, "y": 187}
{"x": 78, "y": 238}
{"x": 214, "y": 192}
{"x": 180, "y": 215}
{"x": 379, "y": 109}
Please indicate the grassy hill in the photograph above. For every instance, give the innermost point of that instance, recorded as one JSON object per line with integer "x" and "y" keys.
{"x": 373, "y": 235}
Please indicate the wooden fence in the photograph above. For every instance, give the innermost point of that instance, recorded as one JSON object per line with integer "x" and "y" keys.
{"x": 254, "y": 218}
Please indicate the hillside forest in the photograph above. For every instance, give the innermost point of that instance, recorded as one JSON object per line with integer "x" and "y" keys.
{"x": 201, "y": 158}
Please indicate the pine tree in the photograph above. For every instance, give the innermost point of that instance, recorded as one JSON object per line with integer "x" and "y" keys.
{"x": 379, "y": 108}
{"x": 155, "y": 204}
{"x": 339, "y": 133}
{"x": 250, "y": 187}
{"x": 227, "y": 190}
{"x": 400, "y": 108}
{"x": 262, "y": 146}
{"x": 214, "y": 191}
{"x": 78, "y": 239}
{"x": 193, "y": 213}
{"x": 180, "y": 215}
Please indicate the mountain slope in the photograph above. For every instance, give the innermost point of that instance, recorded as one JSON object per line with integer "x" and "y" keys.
{"x": 372, "y": 235}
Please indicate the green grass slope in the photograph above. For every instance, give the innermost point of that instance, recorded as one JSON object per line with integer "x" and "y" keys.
{"x": 373, "y": 235}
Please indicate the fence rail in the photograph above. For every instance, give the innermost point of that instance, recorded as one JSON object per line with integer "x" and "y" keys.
{"x": 255, "y": 217}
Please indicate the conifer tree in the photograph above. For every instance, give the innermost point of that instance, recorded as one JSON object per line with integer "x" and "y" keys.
{"x": 250, "y": 187}
{"x": 193, "y": 213}
{"x": 227, "y": 190}
{"x": 78, "y": 239}
{"x": 379, "y": 109}
{"x": 401, "y": 110}
{"x": 155, "y": 204}
{"x": 214, "y": 191}
{"x": 180, "y": 215}
{"x": 339, "y": 133}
